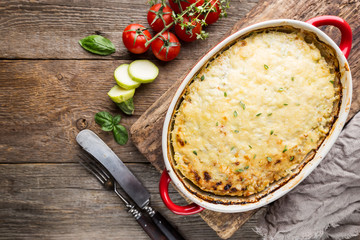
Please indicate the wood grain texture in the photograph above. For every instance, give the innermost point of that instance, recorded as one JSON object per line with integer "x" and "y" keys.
{"x": 44, "y": 104}
{"x": 54, "y": 91}
{"x": 53, "y": 201}
{"x": 59, "y": 24}
{"x": 147, "y": 136}
{"x": 49, "y": 89}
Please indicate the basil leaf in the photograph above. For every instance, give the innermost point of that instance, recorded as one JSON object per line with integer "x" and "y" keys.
{"x": 116, "y": 119}
{"x": 107, "y": 127}
{"x": 127, "y": 106}
{"x": 103, "y": 118}
{"x": 97, "y": 44}
{"x": 120, "y": 134}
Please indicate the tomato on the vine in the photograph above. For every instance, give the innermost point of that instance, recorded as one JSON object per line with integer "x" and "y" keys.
{"x": 180, "y": 5}
{"x": 166, "y": 47}
{"x": 159, "y": 16}
{"x": 134, "y": 37}
{"x": 188, "y": 33}
{"x": 214, "y": 15}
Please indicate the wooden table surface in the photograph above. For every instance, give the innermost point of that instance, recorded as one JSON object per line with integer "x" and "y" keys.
{"x": 50, "y": 88}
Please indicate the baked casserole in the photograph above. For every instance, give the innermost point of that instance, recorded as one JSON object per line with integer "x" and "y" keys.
{"x": 254, "y": 113}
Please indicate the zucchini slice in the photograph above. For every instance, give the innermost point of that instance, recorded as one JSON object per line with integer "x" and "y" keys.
{"x": 118, "y": 94}
{"x": 123, "y": 78}
{"x": 143, "y": 71}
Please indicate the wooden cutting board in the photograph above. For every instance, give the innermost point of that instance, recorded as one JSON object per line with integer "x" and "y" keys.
{"x": 146, "y": 132}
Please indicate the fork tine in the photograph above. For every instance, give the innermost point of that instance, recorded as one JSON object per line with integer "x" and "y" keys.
{"x": 100, "y": 168}
{"x": 88, "y": 164}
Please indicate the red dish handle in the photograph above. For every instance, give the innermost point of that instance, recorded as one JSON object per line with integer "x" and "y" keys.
{"x": 164, "y": 192}
{"x": 341, "y": 24}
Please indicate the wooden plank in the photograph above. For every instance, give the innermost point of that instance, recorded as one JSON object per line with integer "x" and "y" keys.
{"x": 64, "y": 201}
{"x": 44, "y": 104}
{"x": 41, "y": 101}
{"x": 146, "y": 136}
{"x": 52, "y": 29}
{"x": 45, "y": 133}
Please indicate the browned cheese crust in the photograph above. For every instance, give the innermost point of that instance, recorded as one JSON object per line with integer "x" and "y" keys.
{"x": 253, "y": 114}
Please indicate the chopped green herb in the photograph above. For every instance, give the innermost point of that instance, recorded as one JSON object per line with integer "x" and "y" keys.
{"x": 281, "y": 89}
{"x": 194, "y": 152}
{"x": 235, "y": 114}
{"x": 312, "y": 140}
{"x": 202, "y": 78}
{"x": 250, "y": 146}
{"x": 291, "y": 158}
{"x": 269, "y": 114}
{"x": 242, "y": 105}
{"x": 217, "y": 124}
{"x": 266, "y": 66}
{"x": 258, "y": 114}
{"x": 254, "y": 156}
{"x": 285, "y": 104}
{"x": 185, "y": 142}
{"x": 297, "y": 104}
{"x": 292, "y": 78}
{"x": 232, "y": 148}
{"x": 285, "y": 149}
{"x": 269, "y": 159}
{"x": 247, "y": 167}
{"x": 240, "y": 170}
{"x": 225, "y": 94}
{"x": 237, "y": 131}
{"x": 332, "y": 82}
{"x": 271, "y": 132}
{"x": 243, "y": 179}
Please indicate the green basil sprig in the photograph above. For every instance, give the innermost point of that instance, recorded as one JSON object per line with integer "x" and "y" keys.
{"x": 97, "y": 44}
{"x": 127, "y": 106}
{"x": 109, "y": 123}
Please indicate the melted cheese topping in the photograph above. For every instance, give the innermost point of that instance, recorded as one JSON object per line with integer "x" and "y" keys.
{"x": 253, "y": 114}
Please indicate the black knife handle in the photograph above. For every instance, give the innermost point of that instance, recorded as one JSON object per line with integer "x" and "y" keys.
{"x": 170, "y": 232}
{"x": 149, "y": 227}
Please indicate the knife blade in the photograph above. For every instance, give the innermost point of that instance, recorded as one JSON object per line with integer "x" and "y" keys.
{"x": 93, "y": 166}
{"x": 93, "y": 145}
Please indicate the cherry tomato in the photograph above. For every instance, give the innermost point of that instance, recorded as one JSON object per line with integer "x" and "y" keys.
{"x": 180, "y": 5}
{"x": 188, "y": 34}
{"x": 214, "y": 15}
{"x": 166, "y": 47}
{"x": 159, "y": 16}
{"x": 135, "y": 37}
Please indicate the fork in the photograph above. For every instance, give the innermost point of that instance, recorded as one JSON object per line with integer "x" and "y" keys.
{"x": 110, "y": 184}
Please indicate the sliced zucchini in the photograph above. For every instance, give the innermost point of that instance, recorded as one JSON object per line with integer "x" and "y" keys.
{"x": 143, "y": 71}
{"x": 123, "y": 78}
{"x": 118, "y": 94}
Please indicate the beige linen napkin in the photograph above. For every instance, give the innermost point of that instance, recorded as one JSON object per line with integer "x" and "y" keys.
{"x": 327, "y": 203}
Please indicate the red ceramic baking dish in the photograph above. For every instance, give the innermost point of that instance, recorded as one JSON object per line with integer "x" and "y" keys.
{"x": 225, "y": 204}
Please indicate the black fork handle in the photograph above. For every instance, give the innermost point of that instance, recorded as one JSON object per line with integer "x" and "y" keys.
{"x": 150, "y": 228}
{"x": 170, "y": 232}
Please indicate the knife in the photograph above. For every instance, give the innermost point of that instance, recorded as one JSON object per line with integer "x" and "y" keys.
{"x": 110, "y": 184}
{"x": 93, "y": 145}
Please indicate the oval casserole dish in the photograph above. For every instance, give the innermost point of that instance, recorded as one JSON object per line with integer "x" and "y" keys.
{"x": 243, "y": 154}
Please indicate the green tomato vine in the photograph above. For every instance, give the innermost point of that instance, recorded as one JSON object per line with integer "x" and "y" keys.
{"x": 193, "y": 12}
